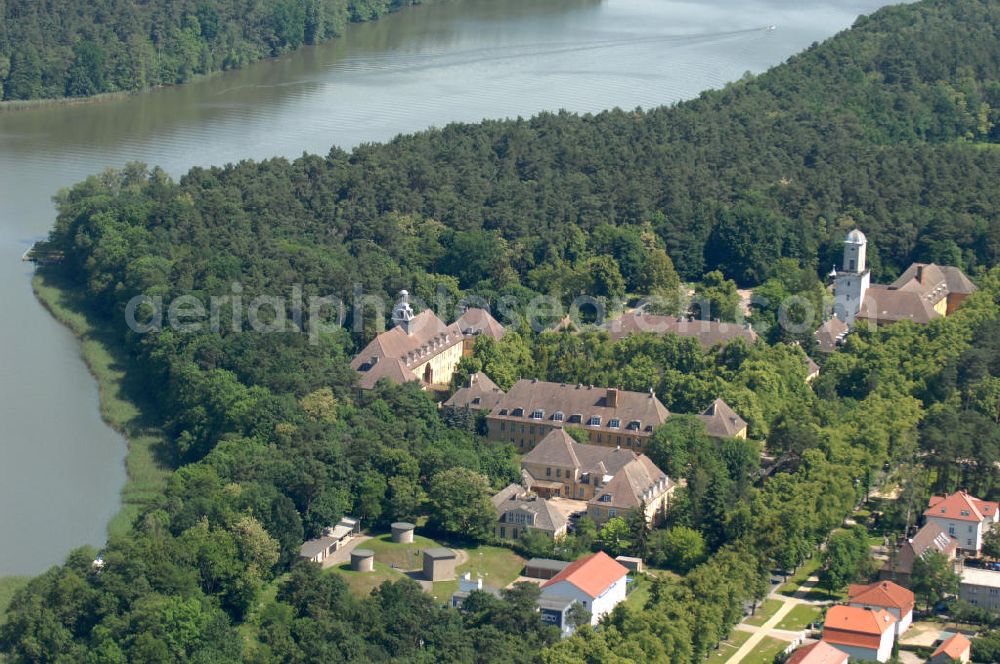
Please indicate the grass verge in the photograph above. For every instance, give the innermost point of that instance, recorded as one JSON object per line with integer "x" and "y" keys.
{"x": 764, "y": 612}
{"x": 800, "y": 616}
{"x": 766, "y": 651}
{"x": 728, "y": 647}
{"x": 122, "y": 404}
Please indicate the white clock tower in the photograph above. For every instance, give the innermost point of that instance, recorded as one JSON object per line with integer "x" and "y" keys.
{"x": 851, "y": 282}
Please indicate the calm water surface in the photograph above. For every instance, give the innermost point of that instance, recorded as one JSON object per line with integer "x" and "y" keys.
{"x": 61, "y": 469}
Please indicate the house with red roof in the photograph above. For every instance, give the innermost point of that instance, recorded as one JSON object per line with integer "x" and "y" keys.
{"x": 964, "y": 517}
{"x": 861, "y": 633}
{"x": 820, "y": 652}
{"x": 596, "y": 581}
{"x": 887, "y": 595}
{"x": 958, "y": 648}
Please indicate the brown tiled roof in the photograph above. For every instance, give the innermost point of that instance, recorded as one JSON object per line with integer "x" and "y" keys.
{"x": 932, "y": 277}
{"x": 428, "y": 337}
{"x": 637, "y": 482}
{"x": 707, "y": 332}
{"x": 829, "y": 334}
{"x": 635, "y": 409}
{"x": 721, "y": 421}
{"x": 558, "y": 448}
{"x": 929, "y": 538}
{"x": 479, "y": 321}
{"x": 512, "y": 497}
{"x": 820, "y": 652}
{"x": 882, "y": 303}
{"x": 480, "y": 394}
{"x": 883, "y": 594}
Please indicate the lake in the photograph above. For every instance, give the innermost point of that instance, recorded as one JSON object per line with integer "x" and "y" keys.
{"x": 61, "y": 468}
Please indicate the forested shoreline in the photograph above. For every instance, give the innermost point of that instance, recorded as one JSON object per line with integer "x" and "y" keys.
{"x": 890, "y": 126}
{"x": 56, "y": 50}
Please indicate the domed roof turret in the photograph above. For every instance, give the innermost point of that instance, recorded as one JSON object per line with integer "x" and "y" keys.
{"x": 856, "y": 237}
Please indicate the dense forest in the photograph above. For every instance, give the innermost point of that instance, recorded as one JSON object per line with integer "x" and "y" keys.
{"x": 64, "y": 48}
{"x": 889, "y": 126}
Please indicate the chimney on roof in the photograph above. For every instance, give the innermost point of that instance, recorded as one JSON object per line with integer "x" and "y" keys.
{"x": 920, "y": 274}
{"x": 611, "y": 401}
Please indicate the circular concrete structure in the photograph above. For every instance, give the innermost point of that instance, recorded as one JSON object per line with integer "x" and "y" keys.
{"x": 362, "y": 560}
{"x": 402, "y": 532}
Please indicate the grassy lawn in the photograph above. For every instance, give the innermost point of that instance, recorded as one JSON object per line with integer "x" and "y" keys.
{"x": 639, "y": 592}
{"x": 799, "y": 617}
{"x": 362, "y": 583}
{"x": 8, "y": 586}
{"x": 402, "y": 556}
{"x": 497, "y": 566}
{"x": 807, "y": 569}
{"x": 765, "y": 651}
{"x": 729, "y": 646}
{"x": 123, "y": 406}
{"x": 764, "y": 612}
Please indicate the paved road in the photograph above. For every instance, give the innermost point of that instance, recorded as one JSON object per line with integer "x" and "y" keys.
{"x": 751, "y": 644}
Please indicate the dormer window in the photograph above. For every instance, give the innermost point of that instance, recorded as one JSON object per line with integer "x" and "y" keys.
{"x": 575, "y": 418}
{"x": 478, "y": 400}
{"x": 558, "y": 416}
{"x": 965, "y": 512}
{"x": 614, "y": 423}
{"x": 606, "y": 498}
{"x": 538, "y": 414}
{"x": 517, "y": 412}
{"x": 634, "y": 425}
{"x": 594, "y": 421}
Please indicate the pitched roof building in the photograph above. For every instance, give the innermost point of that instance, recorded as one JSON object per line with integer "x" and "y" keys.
{"x": 561, "y": 467}
{"x": 887, "y": 595}
{"x": 519, "y": 511}
{"x": 721, "y": 421}
{"x": 596, "y": 581}
{"x": 820, "y": 652}
{"x": 931, "y": 537}
{"x": 707, "y": 332}
{"x": 612, "y": 417}
{"x": 861, "y": 633}
{"x": 638, "y": 484}
{"x": 964, "y": 517}
{"x": 830, "y": 335}
{"x": 480, "y": 393}
{"x": 956, "y": 648}
{"x": 421, "y": 346}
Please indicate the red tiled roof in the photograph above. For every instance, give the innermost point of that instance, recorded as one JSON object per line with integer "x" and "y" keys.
{"x": 955, "y": 647}
{"x": 884, "y": 594}
{"x": 591, "y": 574}
{"x": 852, "y": 625}
{"x": 820, "y": 652}
{"x": 961, "y": 507}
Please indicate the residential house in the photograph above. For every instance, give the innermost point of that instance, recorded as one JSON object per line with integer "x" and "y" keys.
{"x": 812, "y": 370}
{"x": 721, "y": 421}
{"x": 980, "y": 587}
{"x": 638, "y": 485}
{"x": 887, "y": 595}
{"x": 819, "y": 652}
{"x": 611, "y": 417}
{"x": 956, "y": 648}
{"x": 421, "y": 347}
{"x": 923, "y": 292}
{"x": 332, "y": 540}
{"x": 597, "y": 581}
{"x": 558, "y": 466}
{"x": 520, "y": 510}
{"x": 964, "y": 517}
{"x": 931, "y": 537}
{"x": 861, "y": 633}
{"x": 480, "y": 393}
{"x": 708, "y": 332}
